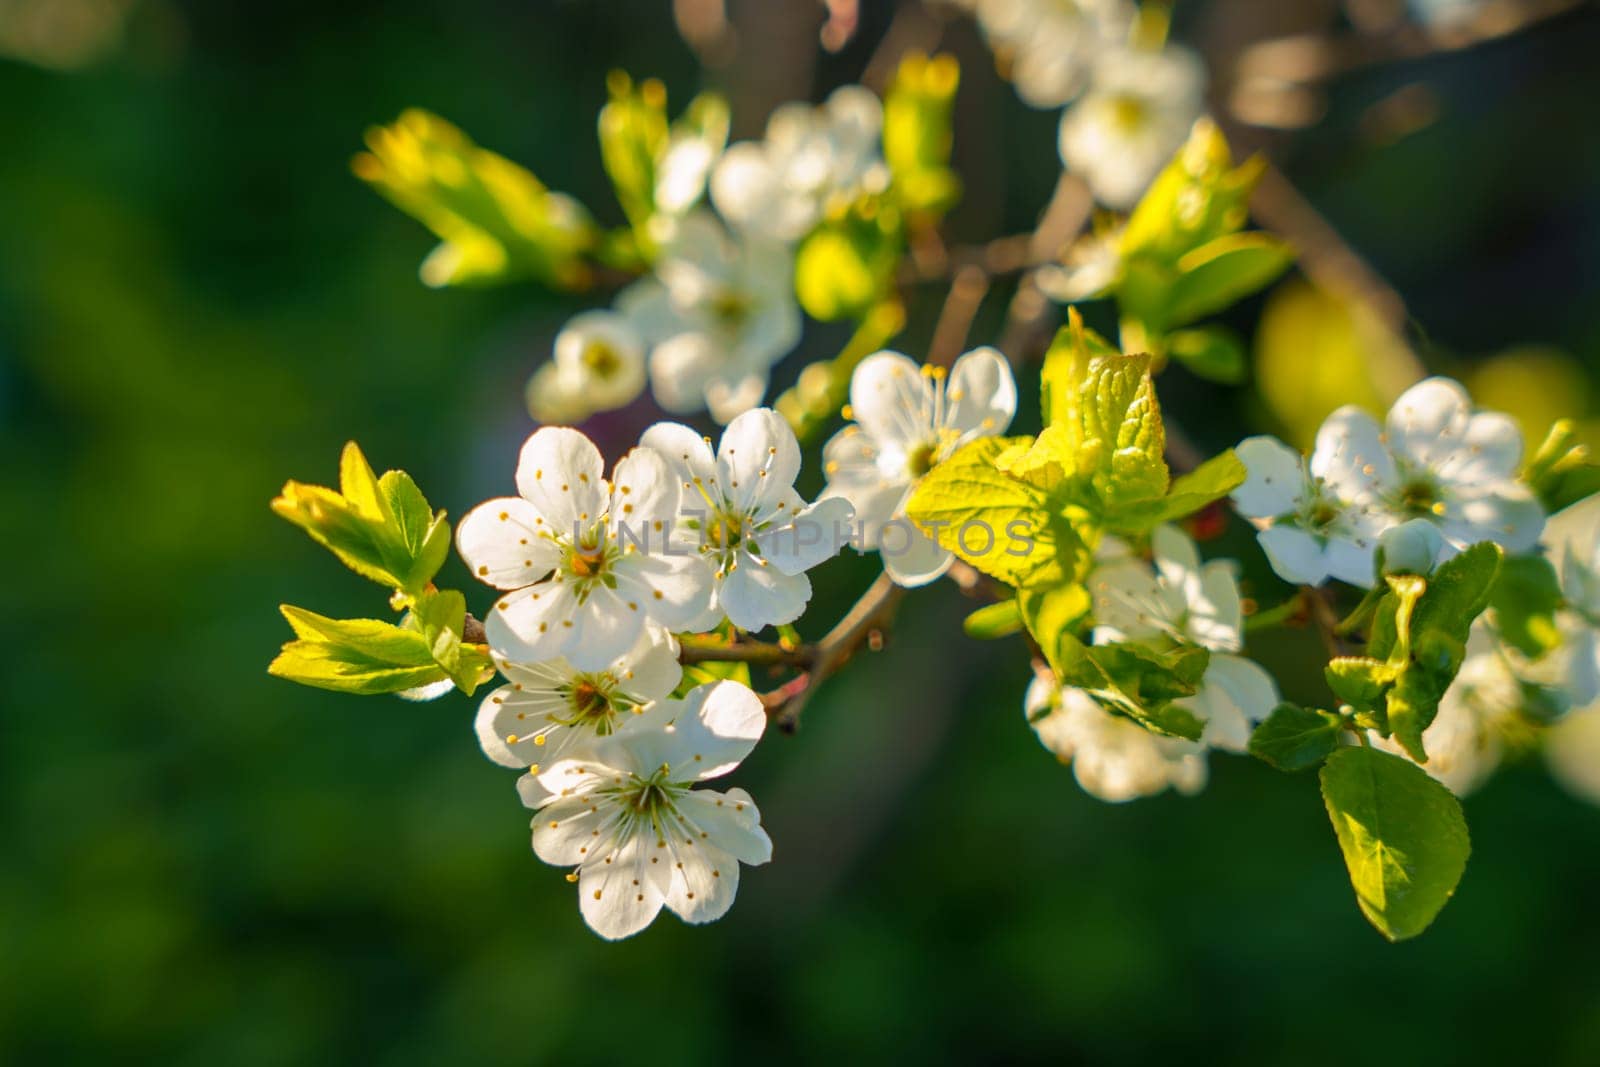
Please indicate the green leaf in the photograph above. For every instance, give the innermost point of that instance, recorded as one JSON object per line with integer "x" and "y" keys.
{"x": 1223, "y": 271}
{"x": 1525, "y": 598}
{"x": 497, "y": 221}
{"x": 1560, "y": 472}
{"x": 1136, "y": 682}
{"x": 381, "y": 528}
{"x": 1403, "y": 837}
{"x": 697, "y": 674}
{"x": 1211, "y": 352}
{"x": 442, "y": 616}
{"x": 845, "y": 266}
{"x": 969, "y": 488}
{"x": 994, "y": 620}
{"x": 1065, "y": 366}
{"x": 1294, "y": 739}
{"x": 1121, "y": 442}
{"x": 1196, "y": 198}
{"x": 1209, "y": 482}
{"x": 917, "y": 133}
{"x": 1049, "y": 611}
{"x": 1360, "y": 682}
{"x": 354, "y": 655}
{"x": 1420, "y": 631}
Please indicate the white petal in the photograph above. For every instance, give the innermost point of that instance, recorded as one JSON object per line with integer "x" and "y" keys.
{"x": 1351, "y": 457}
{"x": 1491, "y": 452}
{"x": 604, "y": 627}
{"x": 682, "y": 368}
{"x": 1509, "y": 515}
{"x": 1216, "y": 619}
{"x": 644, "y": 490}
{"x": 1295, "y": 555}
{"x": 1235, "y": 694}
{"x": 489, "y": 737}
{"x": 621, "y": 378}
{"x": 650, "y": 670}
{"x": 730, "y": 395}
{"x": 564, "y": 831}
{"x": 1275, "y": 481}
{"x": 981, "y": 397}
{"x": 817, "y": 534}
{"x": 674, "y": 590}
{"x": 1350, "y": 560}
{"x": 754, "y": 597}
{"x": 760, "y": 455}
{"x": 892, "y": 401}
{"x": 1429, "y": 421}
{"x": 620, "y": 898}
{"x": 1128, "y": 602}
{"x": 525, "y": 625}
{"x": 504, "y": 543}
{"x": 560, "y": 472}
{"x": 687, "y": 451}
{"x": 714, "y": 727}
{"x": 552, "y": 399}
{"x": 744, "y": 186}
{"x": 910, "y": 557}
{"x": 705, "y": 880}
{"x": 731, "y": 821}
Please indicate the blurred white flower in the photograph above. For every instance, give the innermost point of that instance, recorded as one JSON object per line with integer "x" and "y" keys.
{"x": 1113, "y": 758}
{"x": 576, "y": 587}
{"x": 551, "y": 710}
{"x": 1179, "y": 600}
{"x": 1091, "y": 266}
{"x": 907, "y": 420}
{"x": 1050, "y": 45}
{"x": 1412, "y": 547}
{"x": 1572, "y": 749}
{"x": 598, "y": 365}
{"x": 718, "y": 314}
{"x": 1464, "y": 740}
{"x": 629, "y": 819}
{"x": 744, "y": 518}
{"x": 779, "y": 186}
{"x": 1135, "y": 115}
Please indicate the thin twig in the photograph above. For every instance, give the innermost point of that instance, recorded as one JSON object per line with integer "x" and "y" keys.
{"x": 862, "y": 625}
{"x": 971, "y": 285}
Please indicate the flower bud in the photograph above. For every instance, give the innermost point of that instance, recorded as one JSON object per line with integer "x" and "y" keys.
{"x": 1410, "y": 548}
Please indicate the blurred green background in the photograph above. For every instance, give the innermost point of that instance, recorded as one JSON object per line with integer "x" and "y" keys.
{"x": 202, "y": 864}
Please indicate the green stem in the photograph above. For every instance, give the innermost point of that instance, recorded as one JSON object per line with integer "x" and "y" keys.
{"x": 1292, "y": 608}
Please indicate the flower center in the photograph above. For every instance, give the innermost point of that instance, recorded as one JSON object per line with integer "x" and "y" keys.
{"x": 920, "y": 460}
{"x": 726, "y": 531}
{"x": 601, "y": 359}
{"x": 1128, "y": 112}
{"x": 730, "y": 308}
{"x": 1419, "y": 498}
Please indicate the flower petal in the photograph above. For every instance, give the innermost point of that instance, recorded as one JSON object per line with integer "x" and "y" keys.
{"x": 525, "y": 625}
{"x": 1351, "y": 457}
{"x": 1295, "y": 555}
{"x": 731, "y": 821}
{"x": 759, "y": 455}
{"x": 1429, "y": 421}
{"x": 892, "y": 401}
{"x": 674, "y": 590}
{"x": 754, "y": 597}
{"x": 560, "y": 472}
{"x": 714, "y": 727}
{"x": 981, "y": 396}
{"x": 505, "y": 543}
{"x": 644, "y": 491}
{"x": 619, "y": 898}
{"x": 910, "y": 557}
{"x": 604, "y": 627}
{"x": 1276, "y": 478}
{"x": 817, "y": 534}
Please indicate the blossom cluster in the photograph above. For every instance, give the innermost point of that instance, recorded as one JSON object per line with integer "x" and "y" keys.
{"x": 718, "y": 310}
{"x": 596, "y": 710}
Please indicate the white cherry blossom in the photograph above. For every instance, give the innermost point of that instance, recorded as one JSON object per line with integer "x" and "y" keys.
{"x": 598, "y": 365}
{"x": 628, "y": 819}
{"x": 1049, "y": 46}
{"x": 1135, "y": 115}
{"x": 578, "y": 585}
{"x": 717, "y": 314}
{"x": 1113, "y": 758}
{"x": 779, "y": 186}
{"x": 743, "y": 516}
{"x": 1309, "y": 531}
{"x": 908, "y": 419}
{"x": 1437, "y": 459}
{"x": 550, "y": 710}
{"x": 1179, "y": 600}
